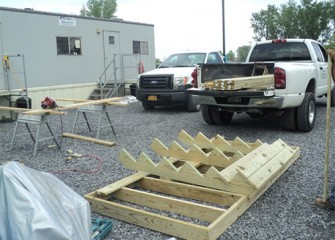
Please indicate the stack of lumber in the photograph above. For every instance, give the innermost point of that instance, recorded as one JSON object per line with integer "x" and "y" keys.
{"x": 237, "y": 83}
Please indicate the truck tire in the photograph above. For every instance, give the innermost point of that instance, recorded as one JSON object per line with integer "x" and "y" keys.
{"x": 207, "y": 114}
{"x": 148, "y": 106}
{"x": 222, "y": 117}
{"x": 332, "y": 97}
{"x": 191, "y": 106}
{"x": 306, "y": 113}
{"x": 289, "y": 119}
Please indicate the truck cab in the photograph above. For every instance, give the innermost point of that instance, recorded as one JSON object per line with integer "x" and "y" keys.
{"x": 167, "y": 85}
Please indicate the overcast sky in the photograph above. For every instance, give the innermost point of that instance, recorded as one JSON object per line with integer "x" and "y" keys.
{"x": 180, "y": 25}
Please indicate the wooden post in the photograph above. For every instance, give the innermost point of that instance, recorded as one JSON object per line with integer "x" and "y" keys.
{"x": 325, "y": 185}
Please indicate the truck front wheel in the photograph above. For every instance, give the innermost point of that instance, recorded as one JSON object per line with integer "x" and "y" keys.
{"x": 306, "y": 113}
{"x": 191, "y": 106}
{"x": 207, "y": 114}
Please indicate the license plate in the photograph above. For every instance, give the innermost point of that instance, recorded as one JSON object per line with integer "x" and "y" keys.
{"x": 234, "y": 100}
{"x": 152, "y": 98}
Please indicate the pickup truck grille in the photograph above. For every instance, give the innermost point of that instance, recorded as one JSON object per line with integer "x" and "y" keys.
{"x": 156, "y": 82}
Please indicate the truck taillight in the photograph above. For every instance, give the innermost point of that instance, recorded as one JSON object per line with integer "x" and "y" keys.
{"x": 280, "y": 78}
{"x": 194, "y": 75}
{"x": 279, "y": 41}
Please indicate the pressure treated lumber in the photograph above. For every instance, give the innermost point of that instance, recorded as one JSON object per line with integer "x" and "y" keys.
{"x": 253, "y": 82}
{"x": 14, "y": 109}
{"x": 79, "y": 103}
{"x": 33, "y": 112}
{"x": 186, "y": 207}
{"x": 237, "y": 145}
{"x": 227, "y": 177}
{"x": 89, "y": 139}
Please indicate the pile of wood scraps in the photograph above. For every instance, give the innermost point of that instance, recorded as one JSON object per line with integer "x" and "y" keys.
{"x": 194, "y": 192}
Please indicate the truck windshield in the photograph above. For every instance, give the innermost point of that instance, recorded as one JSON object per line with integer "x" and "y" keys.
{"x": 183, "y": 60}
{"x": 288, "y": 51}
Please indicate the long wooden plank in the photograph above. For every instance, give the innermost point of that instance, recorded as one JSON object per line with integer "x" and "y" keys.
{"x": 112, "y": 102}
{"x": 156, "y": 222}
{"x": 237, "y": 83}
{"x": 92, "y": 102}
{"x": 224, "y": 221}
{"x": 14, "y": 109}
{"x": 189, "y": 191}
{"x": 89, "y": 139}
{"x": 109, "y": 189}
{"x": 169, "y": 204}
{"x": 33, "y": 112}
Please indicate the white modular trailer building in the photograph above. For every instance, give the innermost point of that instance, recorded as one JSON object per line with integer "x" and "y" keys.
{"x": 67, "y": 56}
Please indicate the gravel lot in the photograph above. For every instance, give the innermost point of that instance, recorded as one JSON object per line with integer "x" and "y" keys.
{"x": 285, "y": 211}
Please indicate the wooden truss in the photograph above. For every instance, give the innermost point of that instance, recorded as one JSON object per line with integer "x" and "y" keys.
{"x": 211, "y": 181}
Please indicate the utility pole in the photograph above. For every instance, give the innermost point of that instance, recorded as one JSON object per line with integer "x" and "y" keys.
{"x": 223, "y": 31}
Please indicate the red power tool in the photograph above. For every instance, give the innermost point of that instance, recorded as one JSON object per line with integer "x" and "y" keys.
{"x": 48, "y": 103}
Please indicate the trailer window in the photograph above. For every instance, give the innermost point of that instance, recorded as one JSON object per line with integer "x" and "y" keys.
{"x": 140, "y": 47}
{"x": 68, "y": 45}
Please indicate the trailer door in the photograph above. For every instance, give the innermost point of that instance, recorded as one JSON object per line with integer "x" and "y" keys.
{"x": 111, "y": 55}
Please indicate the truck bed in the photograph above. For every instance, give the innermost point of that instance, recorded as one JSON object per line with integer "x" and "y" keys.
{"x": 235, "y": 70}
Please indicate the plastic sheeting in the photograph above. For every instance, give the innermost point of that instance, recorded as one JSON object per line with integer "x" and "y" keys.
{"x": 36, "y": 205}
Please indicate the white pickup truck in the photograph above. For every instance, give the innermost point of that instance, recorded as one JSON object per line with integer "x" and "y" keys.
{"x": 167, "y": 84}
{"x": 283, "y": 77}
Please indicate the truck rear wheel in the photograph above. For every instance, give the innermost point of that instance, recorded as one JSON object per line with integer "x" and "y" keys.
{"x": 207, "y": 114}
{"x": 306, "y": 113}
{"x": 289, "y": 119}
{"x": 222, "y": 117}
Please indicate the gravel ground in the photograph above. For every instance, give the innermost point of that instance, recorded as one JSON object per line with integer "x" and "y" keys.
{"x": 285, "y": 211}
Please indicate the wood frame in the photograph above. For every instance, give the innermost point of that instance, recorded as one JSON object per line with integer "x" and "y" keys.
{"x": 232, "y": 187}
{"x": 219, "y": 219}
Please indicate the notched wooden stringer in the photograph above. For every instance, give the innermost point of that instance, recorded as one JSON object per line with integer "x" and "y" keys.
{"x": 225, "y": 176}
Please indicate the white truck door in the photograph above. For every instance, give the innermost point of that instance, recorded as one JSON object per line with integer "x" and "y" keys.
{"x": 322, "y": 69}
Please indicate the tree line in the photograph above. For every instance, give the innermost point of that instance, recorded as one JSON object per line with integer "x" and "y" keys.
{"x": 309, "y": 19}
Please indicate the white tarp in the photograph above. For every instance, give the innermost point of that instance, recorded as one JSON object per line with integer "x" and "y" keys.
{"x": 36, "y": 205}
